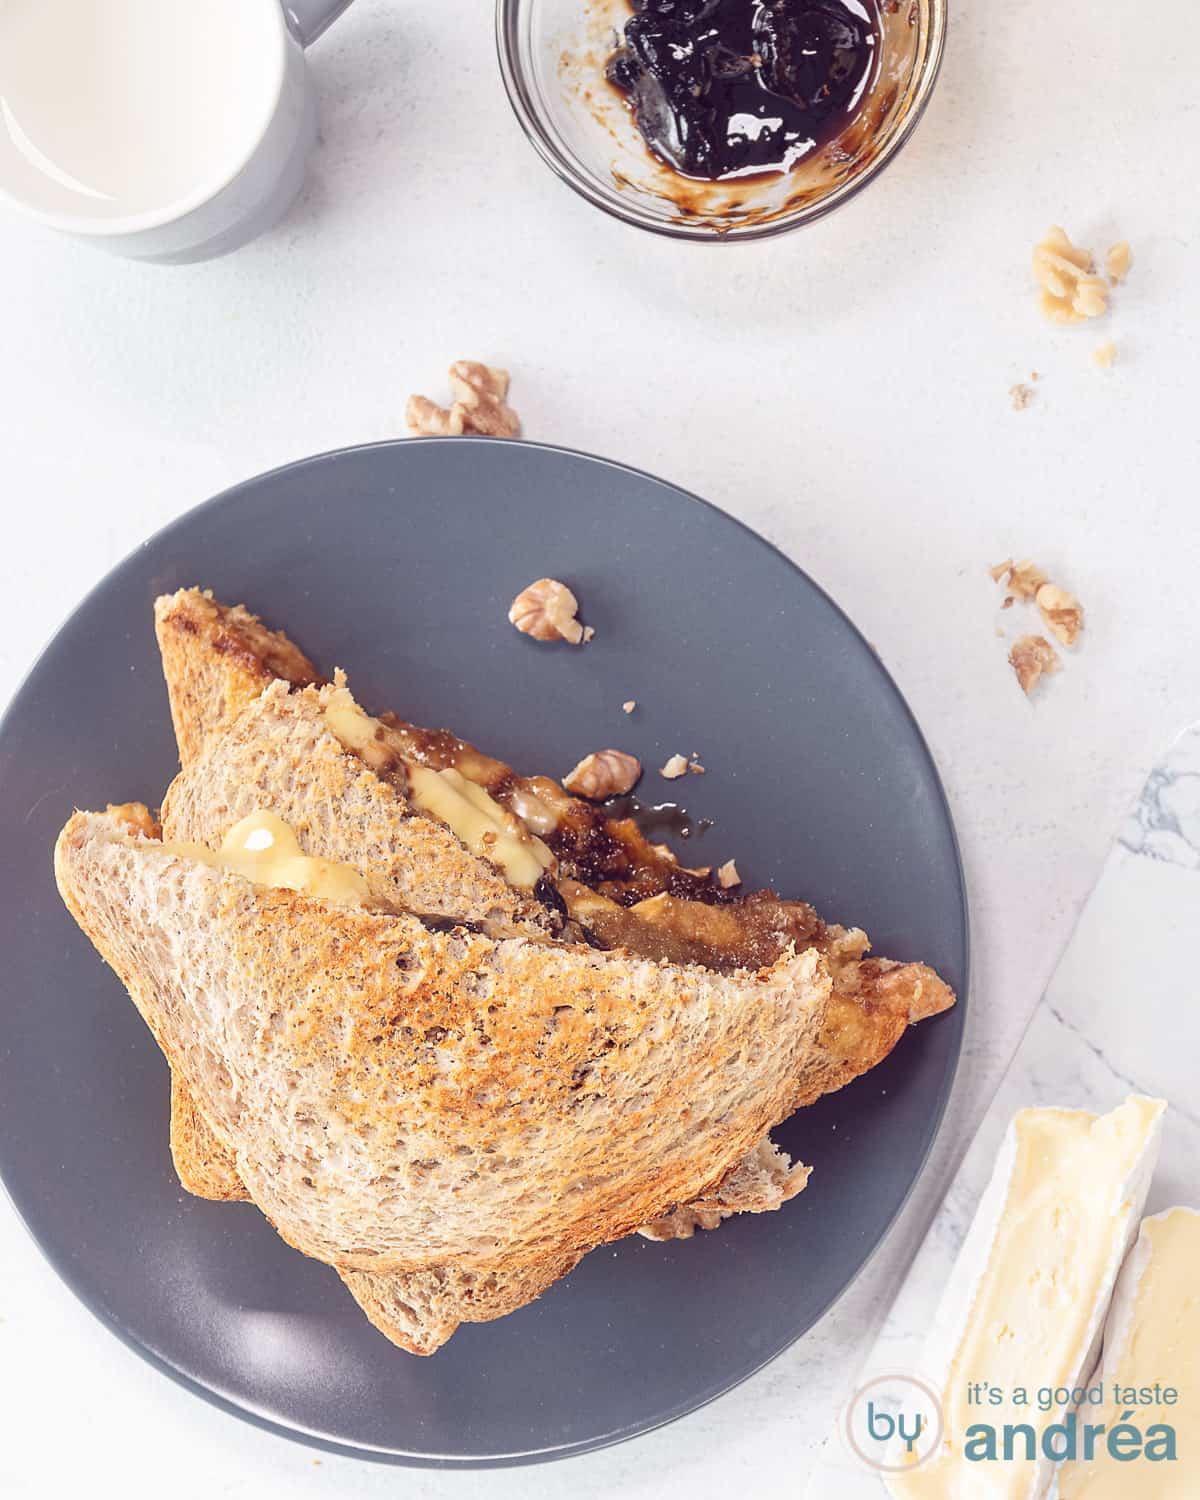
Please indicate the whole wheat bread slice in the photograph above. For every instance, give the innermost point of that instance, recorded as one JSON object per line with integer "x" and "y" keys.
{"x": 401, "y": 1099}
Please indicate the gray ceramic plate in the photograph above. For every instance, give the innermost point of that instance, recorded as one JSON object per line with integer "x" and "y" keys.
{"x": 399, "y": 562}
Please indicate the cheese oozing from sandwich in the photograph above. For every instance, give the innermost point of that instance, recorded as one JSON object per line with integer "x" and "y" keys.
{"x": 473, "y": 816}
{"x": 264, "y": 849}
{"x": 1152, "y": 1339}
{"x": 1031, "y": 1288}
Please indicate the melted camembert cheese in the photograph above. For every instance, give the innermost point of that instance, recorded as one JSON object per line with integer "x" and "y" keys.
{"x": 264, "y": 849}
{"x": 473, "y": 816}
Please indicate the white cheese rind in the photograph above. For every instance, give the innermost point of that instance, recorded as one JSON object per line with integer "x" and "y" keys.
{"x": 1150, "y": 1336}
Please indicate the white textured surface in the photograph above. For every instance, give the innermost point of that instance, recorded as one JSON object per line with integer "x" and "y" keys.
{"x": 1119, "y": 1017}
{"x": 843, "y": 390}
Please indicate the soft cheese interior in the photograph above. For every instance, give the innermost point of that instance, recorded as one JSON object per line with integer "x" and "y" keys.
{"x": 1032, "y": 1286}
{"x": 1152, "y": 1338}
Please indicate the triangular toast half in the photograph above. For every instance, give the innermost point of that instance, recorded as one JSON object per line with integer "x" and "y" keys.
{"x": 400, "y": 1097}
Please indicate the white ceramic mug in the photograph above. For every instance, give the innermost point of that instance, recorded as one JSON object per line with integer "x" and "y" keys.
{"x": 166, "y": 130}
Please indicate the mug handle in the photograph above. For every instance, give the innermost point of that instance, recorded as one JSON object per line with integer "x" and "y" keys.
{"x": 308, "y": 19}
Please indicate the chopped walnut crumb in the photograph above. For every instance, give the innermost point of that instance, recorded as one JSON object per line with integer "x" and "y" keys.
{"x": 1062, "y": 613}
{"x": 1106, "y": 355}
{"x": 683, "y": 1223}
{"x": 479, "y": 405}
{"x": 1032, "y": 658}
{"x": 481, "y": 391}
{"x": 677, "y": 766}
{"x": 588, "y": 634}
{"x": 1070, "y": 289}
{"x": 1023, "y": 578}
{"x": 629, "y": 705}
{"x": 695, "y": 767}
{"x": 701, "y": 872}
{"x": 1020, "y": 396}
{"x": 546, "y": 611}
{"x": 605, "y": 773}
{"x": 1118, "y": 261}
{"x": 425, "y": 418}
{"x": 727, "y": 875}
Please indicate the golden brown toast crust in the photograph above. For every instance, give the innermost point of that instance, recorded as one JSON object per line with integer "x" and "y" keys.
{"x": 204, "y": 1166}
{"x": 215, "y": 660}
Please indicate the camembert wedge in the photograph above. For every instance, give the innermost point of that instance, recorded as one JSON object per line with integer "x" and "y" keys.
{"x": 1151, "y": 1340}
{"x": 1026, "y": 1305}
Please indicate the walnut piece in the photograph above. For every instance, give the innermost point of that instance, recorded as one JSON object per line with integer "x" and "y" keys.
{"x": 677, "y": 766}
{"x": 1061, "y": 611}
{"x": 684, "y": 1221}
{"x": 1070, "y": 290}
{"x": 546, "y": 611}
{"x": 481, "y": 392}
{"x": 1118, "y": 261}
{"x": 1020, "y": 396}
{"x": 1023, "y": 578}
{"x": 604, "y": 773}
{"x": 1106, "y": 355}
{"x": 727, "y": 875}
{"x": 1032, "y": 658}
{"x": 479, "y": 405}
{"x": 629, "y": 705}
{"x": 427, "y": 419}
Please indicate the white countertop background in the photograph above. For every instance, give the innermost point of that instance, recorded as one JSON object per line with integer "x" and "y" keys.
{"x": 843, "y": 389}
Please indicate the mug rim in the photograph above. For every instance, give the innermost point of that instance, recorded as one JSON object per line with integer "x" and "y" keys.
{"x": 179, "y": 208}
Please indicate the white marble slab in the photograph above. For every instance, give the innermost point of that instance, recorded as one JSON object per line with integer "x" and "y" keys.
{"x": 1121, "y": 1015}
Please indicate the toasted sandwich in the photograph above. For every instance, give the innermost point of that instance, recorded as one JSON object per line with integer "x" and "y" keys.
{"x": 610, "y": 888}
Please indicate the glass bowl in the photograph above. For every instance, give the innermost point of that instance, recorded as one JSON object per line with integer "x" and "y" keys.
{"x": 553, "y": 55}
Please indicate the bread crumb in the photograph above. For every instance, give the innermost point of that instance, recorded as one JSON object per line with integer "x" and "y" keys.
{"x": 1061, "y": 611}
{"x": 1069, "y": 289}
{"x": 1106, "y": 355}
{"x": 1020, "y": 396}
{"x": 1032, "y": 658}
{"x": 1118, "y": 261}
{"x": 629, "y": 705}
{"x": 997, "y": 571}
{"x": 675, "y": 767}
{"x": 695, "y": 767}
{"x": 727, "y": 875}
